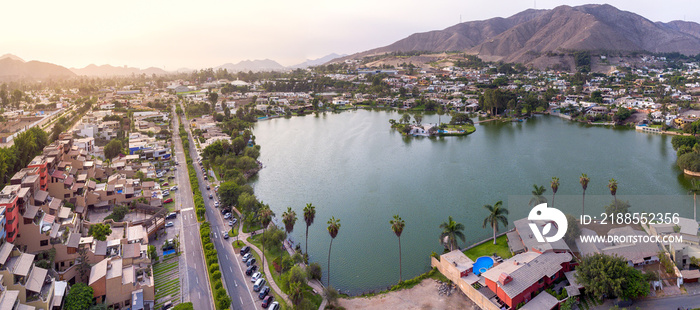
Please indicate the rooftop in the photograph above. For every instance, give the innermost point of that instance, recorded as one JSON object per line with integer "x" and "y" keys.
{"x": 526, "y": 269}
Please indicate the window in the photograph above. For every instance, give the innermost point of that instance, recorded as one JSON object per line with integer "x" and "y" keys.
{"x": 44, "y": 242}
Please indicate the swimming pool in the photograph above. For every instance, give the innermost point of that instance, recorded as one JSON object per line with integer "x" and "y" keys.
{"x": 482, "y": 264}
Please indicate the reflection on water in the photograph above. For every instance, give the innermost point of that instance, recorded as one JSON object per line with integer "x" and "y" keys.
{"x": 353, "y": 166}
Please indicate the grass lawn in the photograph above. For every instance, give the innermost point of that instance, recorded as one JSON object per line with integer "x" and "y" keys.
{"x": 167, "y": 280}
{"x": 248, "y": 228}
{"x": 488, "y": 248}
{"x": 466, "y": 127}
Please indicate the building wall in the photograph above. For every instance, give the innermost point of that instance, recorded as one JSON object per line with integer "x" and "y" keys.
{"x": 12, "y": 219}
{"x": 7, "y": 280}
{"x": 452, "y": 273}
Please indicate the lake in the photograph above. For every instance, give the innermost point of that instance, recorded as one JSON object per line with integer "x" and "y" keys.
{"x": 353, "y": 166}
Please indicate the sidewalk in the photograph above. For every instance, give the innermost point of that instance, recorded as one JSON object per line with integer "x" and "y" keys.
{"x": 314, "y": 284}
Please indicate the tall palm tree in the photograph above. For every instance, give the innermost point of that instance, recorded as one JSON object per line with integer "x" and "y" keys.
{"x": 555, "y": 188}
{"x": 695, "y": 190}
{"x": 612, "y": 185}
{"x": 333, "y": 228}
{"x": 451, "y": 230}
{"x": 289, "y": 218}
{"x": 309, "y": 215}
{"x": 265, "y": 215}
{"x": 397, "y": 225}
{"x": 497, "y": 213}
{"x": 537, "y": 197}
{"x": 584, "y": 184}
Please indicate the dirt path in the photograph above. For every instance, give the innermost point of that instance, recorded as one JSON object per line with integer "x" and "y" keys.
{"x": 421, "y": 296}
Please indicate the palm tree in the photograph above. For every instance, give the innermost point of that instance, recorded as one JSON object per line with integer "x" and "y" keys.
{"x": 537, "y": 197}
{"x": 397, "y": 225}
{"x": 309, "y": 215}
{"x": 612, "y": 185}
{"x": 289, "y": 217}
{"x": 451, "y": 230}
{"x": 265, "y": 215}
{"x": 497, "y": 213}
{"x": 584, "y": 184}
{"x": 694, "y": 189}
{"x": 555, "y": 188}
{"x": 333, "y": 227}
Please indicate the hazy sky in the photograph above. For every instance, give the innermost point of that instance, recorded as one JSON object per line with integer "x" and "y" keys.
{"x": 196, "y": 34}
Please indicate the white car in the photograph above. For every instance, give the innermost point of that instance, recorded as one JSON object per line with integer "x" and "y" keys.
{"x": 174, "y": 188}
{"x": 227, "y": 216}
{"x": 216, "y": 204}
{"x": 169, "y": 224}
{"x": 255, "y": 277}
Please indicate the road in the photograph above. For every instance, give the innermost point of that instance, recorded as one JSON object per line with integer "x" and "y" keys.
{"x": 238, "y": 285}
{"x": 676, "y": 302}
{"x": 195, "y": 286}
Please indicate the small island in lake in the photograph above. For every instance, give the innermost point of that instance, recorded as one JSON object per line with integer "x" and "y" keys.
{"x": 459, "y": 125}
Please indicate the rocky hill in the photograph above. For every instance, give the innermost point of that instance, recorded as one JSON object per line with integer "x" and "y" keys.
{"x": 14, "y": 68}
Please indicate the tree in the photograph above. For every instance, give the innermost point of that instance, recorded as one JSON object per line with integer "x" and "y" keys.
{"x": 152, "y": 252}
{"x": 314, "y": 270}
{"x": 451, "y": 231}
{"x": 113, "y": 149}
{"x": 228, "y": 193}
{"x": 617, "y": 206}
{"x": 265, "y": 215}
{"x": 333, "y": 228}
{"x": 537, "y": 195}
{"x": 84, "y": 266}
{"x": 572, "y": 229}
{"x": 118, "y": 213}
{"x": 461, "y": 119}
{"x": 497, "y": 213}
{"x": 397, "y": 225}
{"x": 612, "y": 185}
{"x": 289, "y": 217}
{"x": 694, "y": 189}
{"x": 555, "y": 188}
{"x": 309, "y": 215}
{"x": 79, "y": 297}
{"x": 605, "y": 275}
{"x": 57, "y": 129}
{"x": 213, "y": 98}
{"x": 100, "y": 231}
{"x": 584, "y": 184}
{"x": 418, "y": 118}
{"x": 296, "y": 293}
{"x": 17, "y": 97}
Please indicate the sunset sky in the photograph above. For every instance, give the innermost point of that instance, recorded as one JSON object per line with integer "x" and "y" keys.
{"x": 177, "y": 34}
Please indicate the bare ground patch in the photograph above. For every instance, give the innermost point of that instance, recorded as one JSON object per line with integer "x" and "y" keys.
{"x": 422, "y": 296}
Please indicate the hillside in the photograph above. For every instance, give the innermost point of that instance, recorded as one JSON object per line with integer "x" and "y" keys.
{"x": 108, "y": 70}
{"x": 14, "y": 68}
{"x": 253, "y": 65}
{"x": 527, "y": 37}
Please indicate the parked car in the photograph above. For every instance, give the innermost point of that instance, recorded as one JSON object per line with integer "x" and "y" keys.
{"x": 227, "y": 216}
{"x": 234, "y": 220}
{"x": 255, "y": 277}
{"x": 230, "y": 223}
{"x": 245, "y": 250}
{"x": 216, "y": 204}
{"x": 225, "y": 234}
{"x": 211, "y": 197}
{"x": 267, "y": 301}
{"x": 166, "y": 193}
{"x": 263, "y": 292}
{"x": 165, "y": 184}
{"x": 259, "y": 285}
{"x": 169, "y": 200}
{"x": 171, "y": 177}
{"x": 247, "y": 256}
{"x": 224, "y": 211}
{"x": 216, "y": 187}
{"x": 275, "y": 305}
{"x": 167, "y": 305}
{"x": 169, "y": 224}
{"x": 251, "y": 270}
{"x": 205, "y": 178}
{"x": 250, "y": 262}
{"x": 171, "y": 215}
{"x": 174, "y": 188}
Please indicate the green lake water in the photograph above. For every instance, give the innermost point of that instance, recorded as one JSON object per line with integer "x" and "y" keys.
{"x": 353, "y": 166}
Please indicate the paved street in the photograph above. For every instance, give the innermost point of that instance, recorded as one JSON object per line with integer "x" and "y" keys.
{"x": 195, "y": 281}
{"x": 237, "y": 284}
{"x": 683, "y": 302}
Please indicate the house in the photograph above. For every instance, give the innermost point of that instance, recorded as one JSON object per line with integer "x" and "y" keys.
{"x": 519, "y": 278}
{"x": 636, "y": 254}
{"x": 530, "y": 243}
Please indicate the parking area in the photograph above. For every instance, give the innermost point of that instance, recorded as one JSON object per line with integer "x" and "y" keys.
{"x": 166, "y": 233}
{"x": 166, "y": 275}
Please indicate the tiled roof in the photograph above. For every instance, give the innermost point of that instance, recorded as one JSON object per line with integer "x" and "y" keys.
{"x": 526, "y": 274}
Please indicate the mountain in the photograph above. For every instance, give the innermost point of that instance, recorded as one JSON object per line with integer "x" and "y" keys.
{"x": 108, "y": 70}
{"x": 14, "y": 68}
{"x": 316, "y": 62}
{"x": 531, "y": 34}
{"x": 13, "y": 57}
{"x": 253, "y": 65}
